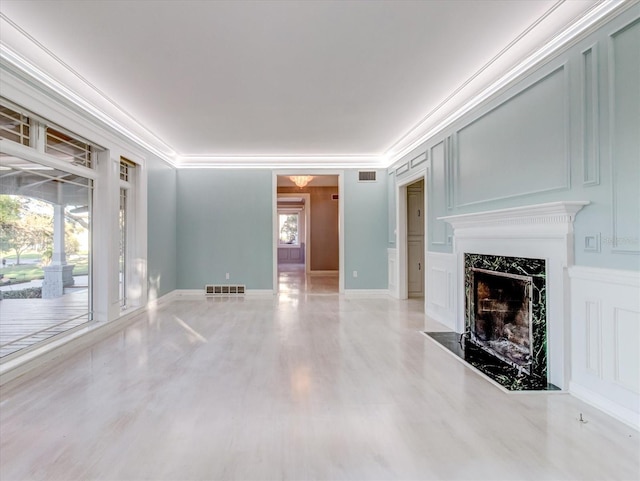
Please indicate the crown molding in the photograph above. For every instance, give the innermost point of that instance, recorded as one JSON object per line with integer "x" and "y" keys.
{"x": 282, "y": 162}
{"x": 122, "y": 123}
{"x": 440, "y": 118}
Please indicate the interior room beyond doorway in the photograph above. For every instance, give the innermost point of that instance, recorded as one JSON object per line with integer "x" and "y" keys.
{"x": 308, "y": 249}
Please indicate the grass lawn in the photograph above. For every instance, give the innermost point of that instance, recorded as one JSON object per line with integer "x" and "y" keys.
{"x": 13, "y": 274}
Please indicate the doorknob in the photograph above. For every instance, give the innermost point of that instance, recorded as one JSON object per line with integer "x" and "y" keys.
{"x": 419, "y": 266}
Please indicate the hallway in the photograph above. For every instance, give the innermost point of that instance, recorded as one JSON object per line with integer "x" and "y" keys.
{"x": 293, "y": 280}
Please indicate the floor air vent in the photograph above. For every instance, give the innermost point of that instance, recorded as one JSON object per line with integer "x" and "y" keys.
{"x": 223, "y": 290}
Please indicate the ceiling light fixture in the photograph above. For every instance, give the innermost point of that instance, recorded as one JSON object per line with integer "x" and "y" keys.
{"x": 301, "y": 180}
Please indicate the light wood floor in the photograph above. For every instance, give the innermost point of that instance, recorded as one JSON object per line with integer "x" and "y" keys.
{"x": 295, "y": 387}
{"x": 25, "y": 322}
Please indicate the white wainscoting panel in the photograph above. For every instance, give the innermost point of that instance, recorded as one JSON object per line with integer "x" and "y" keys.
{"x": 441, "y": 287}
{"x": 605, "y": 327}
{"x": 392, "y": 264}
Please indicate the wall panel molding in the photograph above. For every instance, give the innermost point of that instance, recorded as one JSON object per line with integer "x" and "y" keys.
{"x": 624, "y": 149}
{"x": 423, "y": 157}
{"x": 402, "y": 169}
{"x": 626, "y": 329}
{"x": 590, "y": 117}
{"x": 436, "y": 194}
{"x": 605, "y": 340}
{"x": 440, "y": 293}
{"x": 593, "y": 344}
{"x": 527, "y": 132}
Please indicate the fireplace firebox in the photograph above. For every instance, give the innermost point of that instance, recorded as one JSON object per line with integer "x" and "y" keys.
{"x": 500, "y": 317}
{"x": 506, "y": 324}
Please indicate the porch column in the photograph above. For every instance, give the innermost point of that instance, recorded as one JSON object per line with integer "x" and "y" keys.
{"x": 58, "y": 274}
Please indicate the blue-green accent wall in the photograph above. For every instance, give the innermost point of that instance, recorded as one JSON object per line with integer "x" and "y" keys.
{"x": 161, "y": 227}
{"x": 365, "y": 231}
{"x": 569, "y": 130}
{"x": 224, "y": 225}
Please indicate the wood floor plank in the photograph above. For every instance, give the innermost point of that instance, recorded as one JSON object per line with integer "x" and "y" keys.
{"x": 297, "y": 387}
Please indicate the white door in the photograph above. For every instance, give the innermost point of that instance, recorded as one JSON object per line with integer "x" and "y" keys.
{"x": 415, "y": 239}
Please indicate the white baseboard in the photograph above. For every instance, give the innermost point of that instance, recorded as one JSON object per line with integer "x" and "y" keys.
{"x": 192, "y": 293}
{"x": 199, "y": 293}
{"x": 366, "y": 293}
{"x": 161, "y": 301}
{"x": 621, "y": 413}
{"x": 260, "y": 292}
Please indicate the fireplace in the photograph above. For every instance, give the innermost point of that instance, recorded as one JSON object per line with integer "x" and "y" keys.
{"x": 506, "y": 325}
{"x": 532, "y": 245}
{"x": 500, "y": 316}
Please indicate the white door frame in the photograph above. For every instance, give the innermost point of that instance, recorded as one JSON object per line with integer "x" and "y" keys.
{"x": 401, "y": 229}
{"x": 275, "y": 236}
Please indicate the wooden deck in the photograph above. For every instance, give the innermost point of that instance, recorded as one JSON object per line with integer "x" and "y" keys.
{"x": 25, "y": 322}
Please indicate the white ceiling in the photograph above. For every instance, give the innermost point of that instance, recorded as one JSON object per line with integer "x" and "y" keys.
{"x": 231, "y": 81}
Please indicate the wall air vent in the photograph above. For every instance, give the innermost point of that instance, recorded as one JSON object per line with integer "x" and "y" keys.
{"x": 223, "y": 290}
{"x": 367, "y": 176}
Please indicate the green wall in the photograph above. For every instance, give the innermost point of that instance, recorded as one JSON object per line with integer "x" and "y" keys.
{"x": 365, "y": 231}
{"x": 161, "y": 234}
{"x": 224, "y": 225}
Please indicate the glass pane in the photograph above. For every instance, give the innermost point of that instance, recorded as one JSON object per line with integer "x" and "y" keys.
{"x": 14, "y": 126}
{"x": 122, "y": 262}
{"x": 288, "y": 228}
{"x": 68, "y": 148}
{"x": 45, "y": 228}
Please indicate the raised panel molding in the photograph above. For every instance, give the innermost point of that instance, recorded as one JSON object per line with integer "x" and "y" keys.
{"x": 624, "y": 97}
{"x": 593, "y": 337}
{"x": 605, "y": 340}
{"x": 450, "y": 153}
{"x": 590, "y": 118}
{"x": 419, "y": 159}
{"x": 439, "y": 286}
{"x": 517, "y": 146}
{"x": 626, "y": 355}
{"x": 402, "y": 169}
{"x": 440, "y": 293}
{"x": 436, "y": 192}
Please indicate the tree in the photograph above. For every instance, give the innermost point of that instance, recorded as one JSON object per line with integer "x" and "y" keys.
{"x": 289, "y": 229}
{"x": 21, "y": 228}
{"x": 10, "y": 209}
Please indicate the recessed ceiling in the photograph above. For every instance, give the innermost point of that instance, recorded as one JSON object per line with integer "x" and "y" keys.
{"x": 268, "y": 79}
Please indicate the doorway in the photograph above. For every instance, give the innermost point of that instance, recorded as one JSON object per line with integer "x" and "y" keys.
{"x": 411, "y": 227}
{"x": 308, "y": 233}
{"x": 415, "y": 239}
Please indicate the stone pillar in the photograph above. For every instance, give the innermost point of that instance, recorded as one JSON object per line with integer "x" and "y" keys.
{"x": 59, "y": 274}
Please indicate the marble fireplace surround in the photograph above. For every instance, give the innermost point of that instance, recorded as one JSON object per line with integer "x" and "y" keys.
{"x": 541, "y": 231}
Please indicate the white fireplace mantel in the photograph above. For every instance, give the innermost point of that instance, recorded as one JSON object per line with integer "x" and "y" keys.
{"x": 541, "y": 231}
{"x": 551, "y": 213}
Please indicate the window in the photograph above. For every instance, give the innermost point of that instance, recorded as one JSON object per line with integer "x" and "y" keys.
{"x": 125, "y": 219}
{"x": 68, "y": 148}
{"x": 14, "y": 126}
{"x": 288, "y": 228}
{"x": 45, "y": 246}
